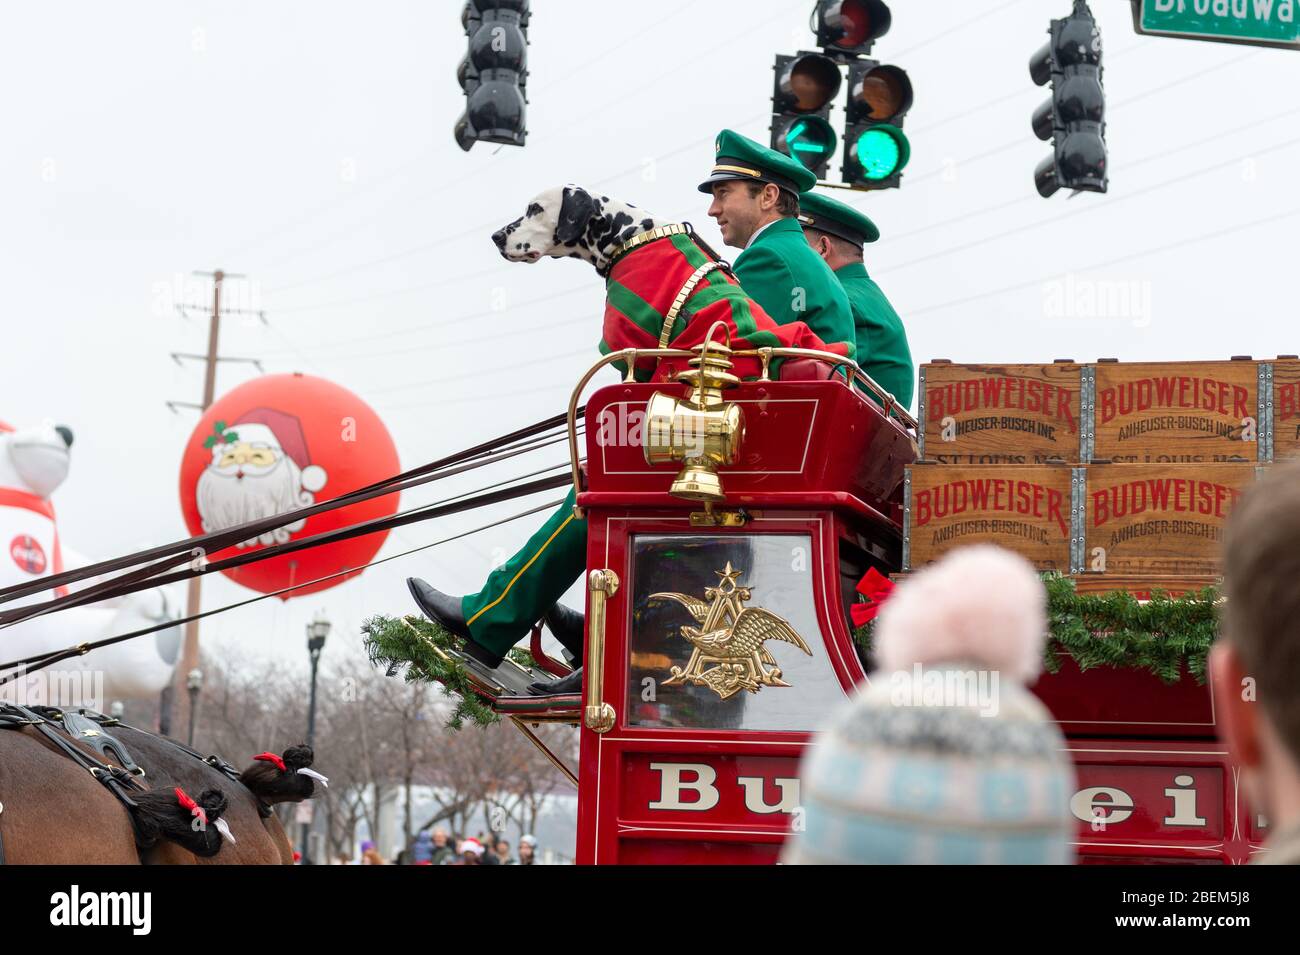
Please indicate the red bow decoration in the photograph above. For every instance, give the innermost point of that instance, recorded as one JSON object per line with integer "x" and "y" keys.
{"x": 271, "y": 758}
{"x": 876, "y": 587}
{"x": 195, "y": 809}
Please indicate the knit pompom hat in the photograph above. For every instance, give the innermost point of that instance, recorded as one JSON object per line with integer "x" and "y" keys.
{"x": 945, "y": 757}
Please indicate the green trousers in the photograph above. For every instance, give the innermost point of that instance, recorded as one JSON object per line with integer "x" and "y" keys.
{"x": 521, "y": 590}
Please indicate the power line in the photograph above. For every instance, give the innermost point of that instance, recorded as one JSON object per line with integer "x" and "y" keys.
{"x": 478, "y": 372}
{"x": 979, "y": 18}
{"x": 423, "y": 157}
{"x": 1108, "y": 203}
{"x": 454, "y": 320}
{"x": 619, "y": 101}
{"x": 193, "y": 618}
{"x": 1019, "y": 140}
{"x": 1192, "y": 240}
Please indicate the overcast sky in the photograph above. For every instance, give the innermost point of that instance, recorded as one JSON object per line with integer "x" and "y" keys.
{"x": 309, "y": 146}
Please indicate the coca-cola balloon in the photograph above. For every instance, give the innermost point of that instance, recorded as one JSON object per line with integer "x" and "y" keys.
{"x": 276, "y": 444}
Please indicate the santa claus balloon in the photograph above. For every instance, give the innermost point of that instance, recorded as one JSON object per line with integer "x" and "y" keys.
{"x": 277, "y": 444}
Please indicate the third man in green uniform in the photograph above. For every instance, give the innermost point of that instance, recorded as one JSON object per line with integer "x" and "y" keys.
{"x": 838, "y": 232}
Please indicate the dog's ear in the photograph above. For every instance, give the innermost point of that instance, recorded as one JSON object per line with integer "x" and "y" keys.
{"x": 575, "y": 212}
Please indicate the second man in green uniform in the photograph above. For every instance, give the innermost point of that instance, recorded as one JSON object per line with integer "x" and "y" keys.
{"x": 837, "y": 232}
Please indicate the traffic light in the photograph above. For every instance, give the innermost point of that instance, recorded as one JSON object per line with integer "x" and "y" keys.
{"x": 494, "y": 72}
{"x": 848, "y": 28}
{"x": 1074, "y": 118}
{"x": 875, "y": 147}
{"x": 802, "y": 91}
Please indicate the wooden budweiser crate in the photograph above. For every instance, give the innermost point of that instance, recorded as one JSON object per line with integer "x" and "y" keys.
{"x": 1148, "y": 412}
{"x": 1024, "y": 508}
{"x": 1158, "y": 519}
{"x": 1284, "y": 432}
{"x": 999, "y": 414}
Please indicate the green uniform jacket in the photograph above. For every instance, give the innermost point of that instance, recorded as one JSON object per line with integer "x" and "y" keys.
{"x": 780, "y": 263}
{"x": 882, "y": 344}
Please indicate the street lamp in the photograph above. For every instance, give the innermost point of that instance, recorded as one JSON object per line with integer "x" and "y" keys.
{"x": 194, "y": 683}
{"x": 317, "y": 630}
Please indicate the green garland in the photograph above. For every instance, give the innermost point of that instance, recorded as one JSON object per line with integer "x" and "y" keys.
{"x": 1162, "y": 636}
{"x": 1113, "y": 629}
{"x": 407, "y": 645}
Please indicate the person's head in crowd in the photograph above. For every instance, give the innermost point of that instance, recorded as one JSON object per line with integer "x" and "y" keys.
{"x": 439, "y": 837}
{"x": 1255, "y": 666}
{"x": 471, "y": 852}
{"x": 945, "y": 757}
{"x": 503, "y": 850}
{"x": 527, "y": 849}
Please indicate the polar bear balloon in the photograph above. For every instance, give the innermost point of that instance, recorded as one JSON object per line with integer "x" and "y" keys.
{"x": 33, "y": 463}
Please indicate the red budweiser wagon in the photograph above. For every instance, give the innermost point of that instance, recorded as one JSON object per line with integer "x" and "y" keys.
{"x": 753, "y": 509}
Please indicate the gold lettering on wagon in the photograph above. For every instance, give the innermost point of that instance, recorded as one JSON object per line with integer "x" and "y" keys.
{"x": 730, "y": 638}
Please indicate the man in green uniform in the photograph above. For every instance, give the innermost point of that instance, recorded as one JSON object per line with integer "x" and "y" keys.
{"x": 756, "y": 202}
{"x": 837, "y": 233}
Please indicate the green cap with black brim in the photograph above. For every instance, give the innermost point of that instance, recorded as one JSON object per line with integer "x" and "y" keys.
{"x": 836, "y": 218}
{"x": 739, "y": 157}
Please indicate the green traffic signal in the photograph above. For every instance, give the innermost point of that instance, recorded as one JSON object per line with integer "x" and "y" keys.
{"x": 808, "y": 139}
{"x": 882, "y": 151}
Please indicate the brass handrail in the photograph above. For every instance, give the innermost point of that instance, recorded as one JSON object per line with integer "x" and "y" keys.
{"x": 598, "y": 715}
{"x": 764, "y": 355}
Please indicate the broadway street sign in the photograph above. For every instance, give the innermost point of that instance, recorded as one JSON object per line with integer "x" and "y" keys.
{"x": 1257, "y": 22}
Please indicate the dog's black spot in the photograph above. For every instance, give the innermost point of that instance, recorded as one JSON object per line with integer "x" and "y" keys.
{"x": 611, "y": 226}
{"x": 646, "y": 224}
{"x": 576, "y": 210}
{"x": 527, "y": 246}
{"x": 534, "y": 209}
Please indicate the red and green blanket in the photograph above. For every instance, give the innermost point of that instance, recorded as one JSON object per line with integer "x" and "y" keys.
{"x": 640, "y": 291}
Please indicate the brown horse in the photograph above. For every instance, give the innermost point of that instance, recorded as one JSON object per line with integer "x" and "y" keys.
{"x": 54, "y": 812}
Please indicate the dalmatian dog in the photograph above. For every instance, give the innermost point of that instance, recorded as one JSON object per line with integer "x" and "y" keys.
{"x": 570, "y": 222}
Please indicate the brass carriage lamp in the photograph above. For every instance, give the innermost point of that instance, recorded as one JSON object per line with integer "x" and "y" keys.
{"x": 704, "y": 431}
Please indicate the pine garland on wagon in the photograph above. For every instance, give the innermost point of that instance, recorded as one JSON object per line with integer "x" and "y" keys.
{"x": 1162, "y": 635}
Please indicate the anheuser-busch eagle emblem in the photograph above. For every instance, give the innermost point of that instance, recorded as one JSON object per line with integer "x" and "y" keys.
{"x": 728, "y": 654}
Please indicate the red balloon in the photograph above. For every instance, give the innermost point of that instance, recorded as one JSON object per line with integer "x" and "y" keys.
{"x": 276, "y": 444}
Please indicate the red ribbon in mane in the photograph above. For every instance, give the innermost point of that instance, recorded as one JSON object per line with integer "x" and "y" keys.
{"x": 195, "y": 809}
{"x": 271, "y": 758}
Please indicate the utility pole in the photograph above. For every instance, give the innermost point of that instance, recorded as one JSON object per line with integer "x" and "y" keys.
{"x": 189, "y": 659}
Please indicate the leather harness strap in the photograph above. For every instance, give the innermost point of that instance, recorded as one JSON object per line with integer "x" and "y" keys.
{"x": 116, "y": 779}
{"x": 682, "y": 295}
{"x": 216, "y": 762}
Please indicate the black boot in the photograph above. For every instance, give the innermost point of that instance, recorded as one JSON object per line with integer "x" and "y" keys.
{"x": 565, "y": 686}
{"x": 444, "y": 609}
{"x": 568, "y": 626}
